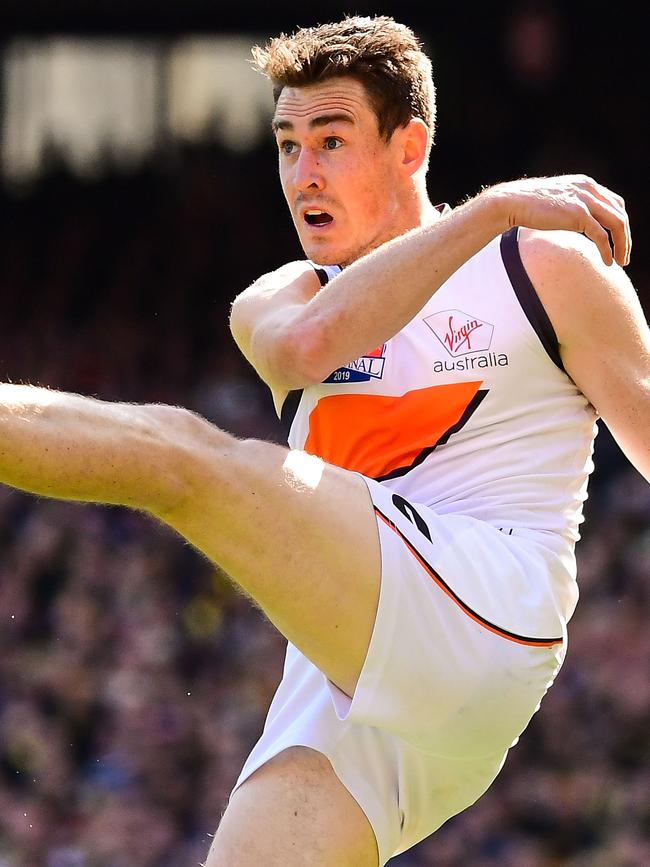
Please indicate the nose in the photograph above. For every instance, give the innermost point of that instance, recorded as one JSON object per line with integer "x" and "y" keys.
{"x": 308, "y": 173}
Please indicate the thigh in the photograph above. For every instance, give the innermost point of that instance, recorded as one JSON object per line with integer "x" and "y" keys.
{"x": 298, "y": 535}
{"x": 294, "y": 812}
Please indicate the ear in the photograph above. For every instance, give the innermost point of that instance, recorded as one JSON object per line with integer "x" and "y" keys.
{"x": 414, "y": 145}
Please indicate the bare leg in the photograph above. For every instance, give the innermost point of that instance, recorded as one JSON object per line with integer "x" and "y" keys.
{"x": 299, "y": 536}
{"x": 294, "y": 812}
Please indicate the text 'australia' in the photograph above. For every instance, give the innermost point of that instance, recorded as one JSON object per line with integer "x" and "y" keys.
{"x": 472, "y": 362}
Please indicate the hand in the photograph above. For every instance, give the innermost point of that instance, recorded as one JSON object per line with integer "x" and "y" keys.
{"x": 573, "y": 202}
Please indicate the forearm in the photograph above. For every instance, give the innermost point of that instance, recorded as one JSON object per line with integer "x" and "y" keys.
{"x": 378, "y": 295}
{"x": 78, "y": 448}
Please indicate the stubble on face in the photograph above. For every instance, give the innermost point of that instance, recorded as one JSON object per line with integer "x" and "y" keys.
{"x": 356, "y": 186}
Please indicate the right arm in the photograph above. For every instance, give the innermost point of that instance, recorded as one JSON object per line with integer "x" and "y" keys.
{"x": 295, "y": 335}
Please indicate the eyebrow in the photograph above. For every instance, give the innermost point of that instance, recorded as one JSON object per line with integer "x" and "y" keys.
{"x": 320, "y": 120}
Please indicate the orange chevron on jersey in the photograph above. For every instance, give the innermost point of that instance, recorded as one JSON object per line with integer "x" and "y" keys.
{"x": 343, "y": 428}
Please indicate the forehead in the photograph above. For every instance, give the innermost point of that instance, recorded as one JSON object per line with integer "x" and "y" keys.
{"x": 342, "y": 97}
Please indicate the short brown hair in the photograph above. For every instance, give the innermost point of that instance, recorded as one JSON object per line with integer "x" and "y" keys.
{"x": 386, "y": 57}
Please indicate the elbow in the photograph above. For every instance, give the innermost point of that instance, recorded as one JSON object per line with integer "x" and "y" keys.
{"x": 304, "y": 355}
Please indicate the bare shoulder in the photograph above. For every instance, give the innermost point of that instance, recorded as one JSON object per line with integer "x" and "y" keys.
{"x": 297, "y": 278}
{"x": 602, "y": 331}
{"x": 556, "y": 255}
{"x": 273, "y": 294}
{"x": 573, "y": 283}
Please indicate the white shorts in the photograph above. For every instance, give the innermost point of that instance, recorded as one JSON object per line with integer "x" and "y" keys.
{"x": 466, "y": 642}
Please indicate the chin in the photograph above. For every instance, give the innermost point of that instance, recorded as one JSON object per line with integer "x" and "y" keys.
{"x": 330, "y": 254}
{"x": 322, "y": 259}
{"x": 322, "y": 254}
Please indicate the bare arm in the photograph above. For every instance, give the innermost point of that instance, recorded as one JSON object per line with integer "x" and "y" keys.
{"x": 602, "y": 331}
{"x": 295, "y": 335}
{"x": 78, "y": 448}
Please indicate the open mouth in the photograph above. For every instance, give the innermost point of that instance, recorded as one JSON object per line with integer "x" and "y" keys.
{"x": 315, "y": 217}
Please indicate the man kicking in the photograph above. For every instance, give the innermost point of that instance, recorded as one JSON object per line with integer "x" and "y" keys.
{"x": 441, "y": 372}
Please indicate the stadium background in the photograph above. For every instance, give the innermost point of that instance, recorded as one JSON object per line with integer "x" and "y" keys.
{"x": 133, "y": 680}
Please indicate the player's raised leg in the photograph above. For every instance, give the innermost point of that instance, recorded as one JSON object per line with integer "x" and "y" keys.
{"x": 296, "y": 534}
{"x": 293, "y": 812}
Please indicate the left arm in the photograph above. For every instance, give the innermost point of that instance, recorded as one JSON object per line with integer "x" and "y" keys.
{"x": 602, "y": 331}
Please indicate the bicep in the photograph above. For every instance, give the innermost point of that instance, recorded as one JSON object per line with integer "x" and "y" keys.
{"x": 610, "y": 364}
{"x": 603, "y": 334}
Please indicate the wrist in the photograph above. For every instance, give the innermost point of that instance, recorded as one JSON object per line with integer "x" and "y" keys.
{"x": 494, "y": 208}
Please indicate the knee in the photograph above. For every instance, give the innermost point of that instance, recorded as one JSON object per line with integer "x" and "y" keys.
{"x": 289, "y": 809}
{"x": 180, "y": 443}
{"x": 177, "y": 423}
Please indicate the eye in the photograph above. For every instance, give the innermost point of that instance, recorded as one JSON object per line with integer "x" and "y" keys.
{"x": 332, "y": 143}
{"x": 287, "y": 147}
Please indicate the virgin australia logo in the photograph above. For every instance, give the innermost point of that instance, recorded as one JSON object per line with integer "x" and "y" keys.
{"x": 459, "y": 332}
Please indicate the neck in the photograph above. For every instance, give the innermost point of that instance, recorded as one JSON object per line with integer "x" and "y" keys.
{"x": 424, "y": 213}
{"x": 414, "y": 208}
{"x": 428, "y": 214}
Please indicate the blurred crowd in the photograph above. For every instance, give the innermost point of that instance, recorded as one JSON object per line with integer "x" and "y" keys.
{"x": 133, "y": 678}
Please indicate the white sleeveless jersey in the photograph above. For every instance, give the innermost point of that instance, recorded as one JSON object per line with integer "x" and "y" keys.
{"x": 467, "y": 409}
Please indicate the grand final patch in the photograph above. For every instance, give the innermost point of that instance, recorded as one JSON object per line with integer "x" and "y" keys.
{"x": 366, "y": 367}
